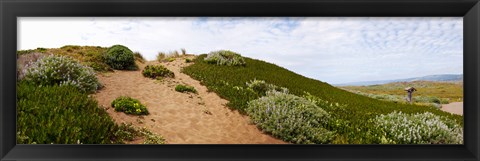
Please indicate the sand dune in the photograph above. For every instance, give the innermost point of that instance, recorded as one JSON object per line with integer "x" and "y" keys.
{"x": 181, "y": 118}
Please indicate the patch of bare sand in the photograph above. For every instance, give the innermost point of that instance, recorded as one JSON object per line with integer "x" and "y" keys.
{"x": 181, "y": 118}
{"x": 454, "y": 107}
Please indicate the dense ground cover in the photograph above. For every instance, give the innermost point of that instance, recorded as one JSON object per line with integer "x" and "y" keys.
{"x": 352, "y": 116}
{"x": 62, "y": 115}
{"x": 54, "y": 105}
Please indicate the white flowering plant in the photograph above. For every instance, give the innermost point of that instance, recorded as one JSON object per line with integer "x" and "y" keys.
{"x": 419, "y": 128}
{"x": 225, "y": 57}
{"x": 261, "y": 87}
{"x": 62, "y": 70}
{"x": 291, "y": 118}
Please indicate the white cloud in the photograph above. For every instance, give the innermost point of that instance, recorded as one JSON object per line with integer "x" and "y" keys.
{"x": 330, "y": 49}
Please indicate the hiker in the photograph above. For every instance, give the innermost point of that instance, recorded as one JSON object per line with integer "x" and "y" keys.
{"x": 410, "y": 90}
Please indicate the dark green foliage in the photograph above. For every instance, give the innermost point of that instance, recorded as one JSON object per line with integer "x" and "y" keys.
{"x": 120, "y": 57}
{"x": 157, "y": 71}
{"x": 188, "y": 60}
{"x": 61, "y": 115}
{"x": 129, "y": 106}
{"x": 42, "y": 50}
{"x": 185, "y": 88}
{"x": 349, "y": 121}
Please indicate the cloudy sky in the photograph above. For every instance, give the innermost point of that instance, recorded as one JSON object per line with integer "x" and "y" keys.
{"x": 331, "y": 49}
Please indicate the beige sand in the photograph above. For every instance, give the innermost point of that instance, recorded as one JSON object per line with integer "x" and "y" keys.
{"x": 454, "y": 107}
{"x": 181, "y": 118}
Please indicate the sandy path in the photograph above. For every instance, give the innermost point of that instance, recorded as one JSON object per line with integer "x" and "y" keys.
{"x": 454, "y": 107}
{"x": 181, "y": 118}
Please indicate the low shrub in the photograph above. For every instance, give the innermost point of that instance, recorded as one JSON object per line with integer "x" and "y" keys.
{"x": 70, "y": 48}
{"x": 151, "y": 138}
{"x": 188, "y": 60}
{"x": 261, "y": 88}
{"x": 61, "y": 115}
{"x": 61, "y": 70}
{"x": 420, "y": 128}
{"x": 291, "y": 118}
{"x": 171, "y": 59}
{"x": 129, "y": 106}
{"x": 130, "y": 133}
{"x": 157, "y": 71}
{"x": 225, "y": 57}
{"x": 120, "y": 57}
{"x": 164, "y": 57}
{"x": 185, "y": 88}
{"x": 127, "y": 131}
{"x": 42, "y": 50}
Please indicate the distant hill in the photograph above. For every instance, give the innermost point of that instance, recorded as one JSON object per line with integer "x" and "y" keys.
{"x": 441, "y": 77}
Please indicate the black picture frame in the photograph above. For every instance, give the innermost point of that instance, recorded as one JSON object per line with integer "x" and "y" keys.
{"x": 10, "y": 10}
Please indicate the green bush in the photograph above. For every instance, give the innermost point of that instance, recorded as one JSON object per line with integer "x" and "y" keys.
{"x": 445, "y": 101}
{"x": 421, "y": 128}
{"x": 225, "y": 57}
{"x": 157, "y": 71}
{"x": 120, "y": 57}
{"x": 185, "y": 88}
{"x": 42, "y": 50}
{"x": 61, "y": 115}
{"x": 188, "y": 60}
{"x": 129, "y": 106}
{"x": 61, "y": 70}
{"x": 171, "y": 59}
{"x": 129, "y": 133}
{"x": 261, "y": 88}
{"x": 291, "y": 118}
{"x": 151, "y": 138}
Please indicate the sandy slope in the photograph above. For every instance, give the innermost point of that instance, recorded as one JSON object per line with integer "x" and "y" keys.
{"x": 454, "y": 107}
{"x": 181, "y": 118}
